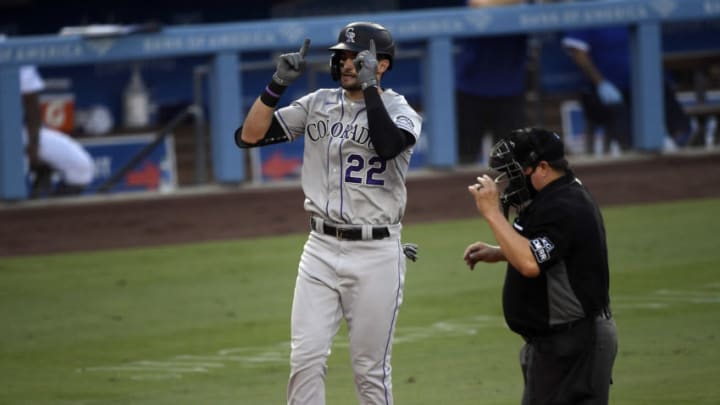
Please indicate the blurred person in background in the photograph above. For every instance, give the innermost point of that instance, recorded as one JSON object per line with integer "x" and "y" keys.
{"x": 603, "y": 56}
{"x": 490, "y": 83}
{"x": 49, "y": 150}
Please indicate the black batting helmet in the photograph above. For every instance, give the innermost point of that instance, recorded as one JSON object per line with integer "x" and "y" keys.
{"x": 355, "y": 37}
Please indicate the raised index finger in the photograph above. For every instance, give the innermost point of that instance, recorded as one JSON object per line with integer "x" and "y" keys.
{"x": 372, "y": 47}
{"x": 304, "y": 47}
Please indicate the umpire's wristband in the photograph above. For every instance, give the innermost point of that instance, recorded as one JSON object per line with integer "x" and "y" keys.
{"x": 271, "y": 95}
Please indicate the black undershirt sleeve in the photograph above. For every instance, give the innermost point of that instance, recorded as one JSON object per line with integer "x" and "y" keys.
{"x": 275, "y": 134}
{"x": 388, "y": 139}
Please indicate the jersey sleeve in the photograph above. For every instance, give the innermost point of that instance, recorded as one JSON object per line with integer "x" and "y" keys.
{"x": 404, "y": 116}
{"x": 550, "y": 236}
{"x": 577, "y": 39}
{"x": 293, "y": 117}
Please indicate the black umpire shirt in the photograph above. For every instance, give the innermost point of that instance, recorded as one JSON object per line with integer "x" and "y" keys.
{"x": 567, "y": 237}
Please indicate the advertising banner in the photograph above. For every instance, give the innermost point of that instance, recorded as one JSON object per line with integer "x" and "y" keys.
{"x": 157, "y": 172}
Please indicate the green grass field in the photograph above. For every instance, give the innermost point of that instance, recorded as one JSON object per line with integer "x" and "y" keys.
{"x": 209, "y": 323}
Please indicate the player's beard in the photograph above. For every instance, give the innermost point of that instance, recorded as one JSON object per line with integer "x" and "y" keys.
{"x": 350, "y": 82}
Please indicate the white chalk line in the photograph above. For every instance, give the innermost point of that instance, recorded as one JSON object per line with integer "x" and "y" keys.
{"x": 664, "y": 298}
{"x": 186, "y": 364}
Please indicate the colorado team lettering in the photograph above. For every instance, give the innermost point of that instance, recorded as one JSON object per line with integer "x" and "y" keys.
{"x": 322, "y": 129}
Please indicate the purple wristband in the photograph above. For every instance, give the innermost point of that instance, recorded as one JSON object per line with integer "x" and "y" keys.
{"x": 271, "y": 95}
{"x": 270, "y": 92}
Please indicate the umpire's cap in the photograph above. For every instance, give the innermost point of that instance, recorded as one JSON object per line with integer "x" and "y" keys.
{"x": 532, "y": 145}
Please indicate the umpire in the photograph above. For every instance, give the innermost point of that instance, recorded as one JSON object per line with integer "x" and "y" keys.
{"x": 557, "y": 280}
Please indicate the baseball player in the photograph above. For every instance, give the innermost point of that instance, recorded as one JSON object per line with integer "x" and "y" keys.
{"x": 50, "y": 150}
{"x": 358, "y": 144}
{"x": 556, "y": 292}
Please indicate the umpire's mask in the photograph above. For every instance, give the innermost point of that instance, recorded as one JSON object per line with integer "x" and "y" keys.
{"x": 524, "y": 148}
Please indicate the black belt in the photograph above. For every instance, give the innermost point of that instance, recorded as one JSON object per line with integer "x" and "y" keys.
{"x": 603, "y": 314}
{"x": 350, "y": 232}
{"x": 568, "y": 325}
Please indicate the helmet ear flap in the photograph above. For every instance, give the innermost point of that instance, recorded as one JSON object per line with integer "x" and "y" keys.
{"x": 335, "y": 65}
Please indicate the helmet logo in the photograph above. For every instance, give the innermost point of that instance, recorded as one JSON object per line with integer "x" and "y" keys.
{"x": 350, "y": 35}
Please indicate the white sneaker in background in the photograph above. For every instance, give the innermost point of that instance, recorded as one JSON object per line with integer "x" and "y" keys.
{"x": 710, "y": 128}
{"x": 486, "y": 147}
{"x": 669, "y": 144}
{"x": 599, "y": 144}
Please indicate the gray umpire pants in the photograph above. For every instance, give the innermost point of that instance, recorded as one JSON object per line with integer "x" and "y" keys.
{"x": 570, "y": 368}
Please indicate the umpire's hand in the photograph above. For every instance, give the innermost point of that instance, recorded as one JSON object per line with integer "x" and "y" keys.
{"x": 486, "y": 195}
{"x": 482, "y": 252}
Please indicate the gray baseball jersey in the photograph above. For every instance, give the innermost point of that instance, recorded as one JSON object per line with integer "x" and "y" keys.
{"x": 343, "y": 179}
